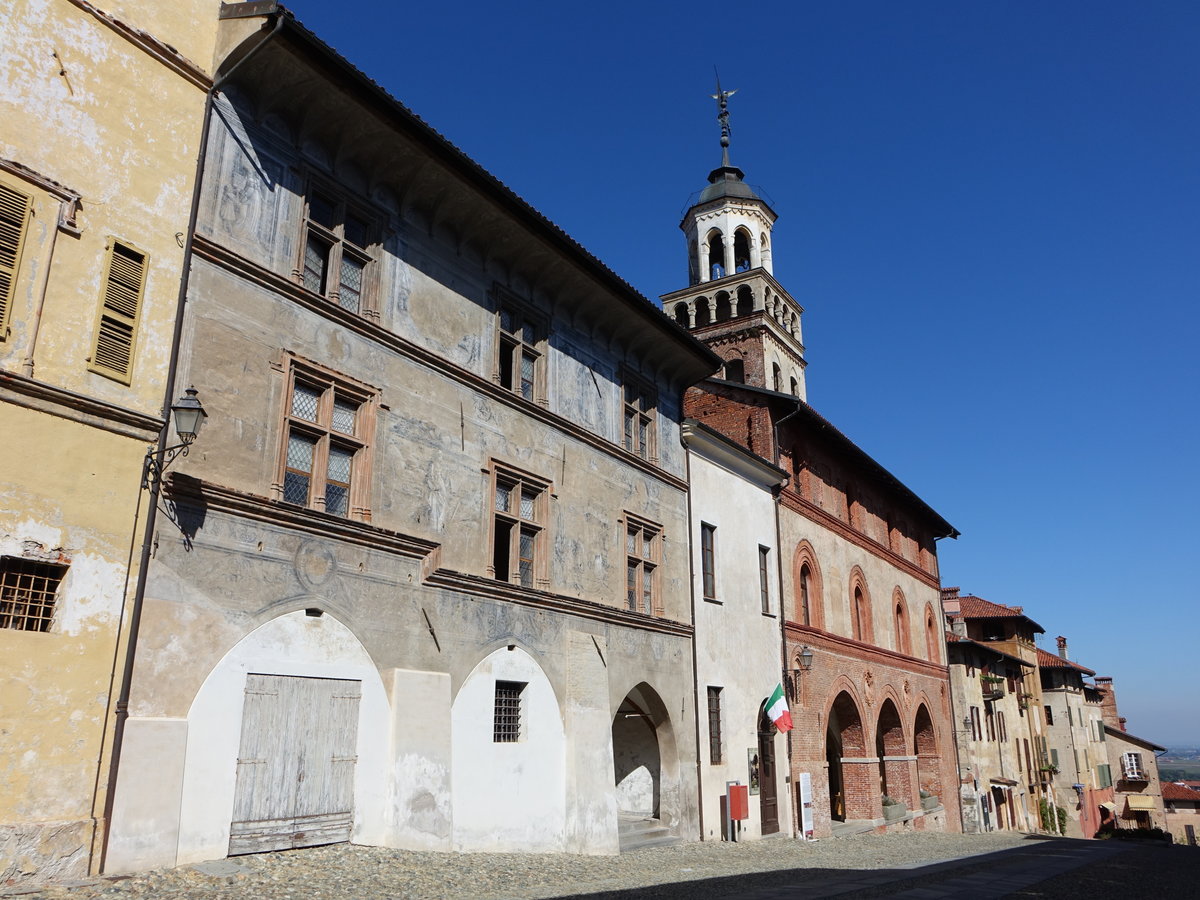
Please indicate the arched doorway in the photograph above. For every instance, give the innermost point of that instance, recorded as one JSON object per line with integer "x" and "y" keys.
{"x": 645, "y": 763}
{"x": 894, "y": 777}
{"x": 768, "y": 800}
{"x": 929, "y": 763}
{"x": 845, "y": 740}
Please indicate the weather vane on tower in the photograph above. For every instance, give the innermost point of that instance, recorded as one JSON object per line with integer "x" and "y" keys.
{"x": 722, "y": 98}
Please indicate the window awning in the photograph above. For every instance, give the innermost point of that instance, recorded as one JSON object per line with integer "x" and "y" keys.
{"x": 1109, "y": 806}
{"x": 1140, "y": 801}
{"x": 1004, "y": 782}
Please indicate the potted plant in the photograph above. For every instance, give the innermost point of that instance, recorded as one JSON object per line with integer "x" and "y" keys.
{"x": 928, "y": 800}
{"x": 893, "y": 809}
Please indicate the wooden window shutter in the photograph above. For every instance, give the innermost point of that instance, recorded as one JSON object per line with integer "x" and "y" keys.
{"x": 14, "y": 213}
{"x": 117, "y": 329}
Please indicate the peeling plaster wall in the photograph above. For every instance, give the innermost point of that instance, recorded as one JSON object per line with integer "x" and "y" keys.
{"x": 86, "y": 112}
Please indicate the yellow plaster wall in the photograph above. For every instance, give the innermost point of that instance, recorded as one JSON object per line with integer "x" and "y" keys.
{"x": 95, "y": 111}
{"x": 87, "y": 108}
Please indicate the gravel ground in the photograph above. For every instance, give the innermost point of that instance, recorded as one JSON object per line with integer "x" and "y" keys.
{"x": 1144, "y": 871}
{"x": 345, "y": 872}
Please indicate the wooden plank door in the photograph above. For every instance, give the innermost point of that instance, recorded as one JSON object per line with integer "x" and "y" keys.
{"x": 767, "y": 797}
{"x": 295, "y": 773}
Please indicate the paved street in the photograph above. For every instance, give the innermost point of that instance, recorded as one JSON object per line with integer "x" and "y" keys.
{"x": 916, "y": 866}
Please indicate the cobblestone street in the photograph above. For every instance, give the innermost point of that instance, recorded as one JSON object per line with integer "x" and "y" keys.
{"x": 345, "y": 872}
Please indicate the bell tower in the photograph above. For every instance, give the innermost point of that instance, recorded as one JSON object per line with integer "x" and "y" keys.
{"x": 733, "y": 302}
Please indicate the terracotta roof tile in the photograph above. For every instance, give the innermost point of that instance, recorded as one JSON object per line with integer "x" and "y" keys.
{"x": 977, "y": 608}
{"x": 1171, "y": 791}
{"x": 1054, "y": 661}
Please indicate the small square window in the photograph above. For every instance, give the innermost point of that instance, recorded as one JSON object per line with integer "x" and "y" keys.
{"x": 506, "y": 728}
{"x": 27, "y": 593}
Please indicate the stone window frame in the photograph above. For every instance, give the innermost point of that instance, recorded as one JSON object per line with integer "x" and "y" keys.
{"x": 333, "y": 234}
{"x": 536, "y": 524}
{"x": 33, "y": 197}
{"x": 527, "y": 340}
{"x": 764, "y": 579}
{"x": 639, "y": 416}
{"x": 642, "y": 563}
{"x": 332, "y": 386}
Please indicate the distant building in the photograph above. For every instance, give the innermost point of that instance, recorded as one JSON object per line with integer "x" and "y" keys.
{"x": 989, "y": 729}
{"x": 1075, "y": 736}
{"x": 1137, "y": 792}
{"x": 1182, "y": 806}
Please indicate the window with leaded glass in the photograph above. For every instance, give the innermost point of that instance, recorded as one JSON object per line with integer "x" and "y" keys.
{"x": 638, "y": 425}
{"x": 641, "y": 560}
{"x": 518, "y": 514}
{"x": 328, "y": 422}
{"x": 336, "y": 251}
{"x": 520, "y": 360}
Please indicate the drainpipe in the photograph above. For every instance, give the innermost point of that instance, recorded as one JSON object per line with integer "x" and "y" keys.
{"x": 687, "y": 463}
{"x": 135, "y": 613}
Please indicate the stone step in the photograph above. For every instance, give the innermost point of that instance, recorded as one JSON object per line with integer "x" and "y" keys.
{"x": 640, "y": 832}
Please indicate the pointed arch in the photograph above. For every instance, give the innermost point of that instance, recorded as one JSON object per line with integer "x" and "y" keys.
{"x": 808, "y": 605}
{"x": 901, "y": 627}
{"x": 925, "y": 746}
{"x": 861, "y": 626}
{"x": 933, "y": 635}
{"x": 890, "y": 746}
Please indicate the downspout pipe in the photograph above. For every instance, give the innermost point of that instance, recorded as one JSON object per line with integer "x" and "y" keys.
{"x": 135, "y": 613}
{"x": 687, "y": 462}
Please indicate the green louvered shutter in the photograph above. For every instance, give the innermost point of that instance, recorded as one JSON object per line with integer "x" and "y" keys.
{"x": 14, "y": 214}
{"x": 116, "y": 331}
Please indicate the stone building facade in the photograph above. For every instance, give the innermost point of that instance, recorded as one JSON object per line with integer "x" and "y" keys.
{"x": 989, "y": 728}
{"x": 100, "y": 123}
{"x": 431, "y": 560}
{"x": 860, "y": 587}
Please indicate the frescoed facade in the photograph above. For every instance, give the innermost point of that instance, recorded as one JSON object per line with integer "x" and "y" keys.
{"x": 427, "y": 585}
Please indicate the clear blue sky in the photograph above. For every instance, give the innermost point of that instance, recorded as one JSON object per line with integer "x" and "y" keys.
{"x": 990, "y": 211}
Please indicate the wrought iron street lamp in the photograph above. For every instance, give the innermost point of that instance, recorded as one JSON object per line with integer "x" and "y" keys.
{"x": 188, "y": 414}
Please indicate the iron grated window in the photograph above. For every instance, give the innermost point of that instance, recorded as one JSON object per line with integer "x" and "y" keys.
{"x": 507, "y": 722}
{"x": 27, "y": 590}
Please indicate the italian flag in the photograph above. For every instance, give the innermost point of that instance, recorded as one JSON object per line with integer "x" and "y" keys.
{"x": 777, "y": 710}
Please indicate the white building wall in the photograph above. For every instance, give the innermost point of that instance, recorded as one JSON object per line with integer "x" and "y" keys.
{"x": 738, "y": 647}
